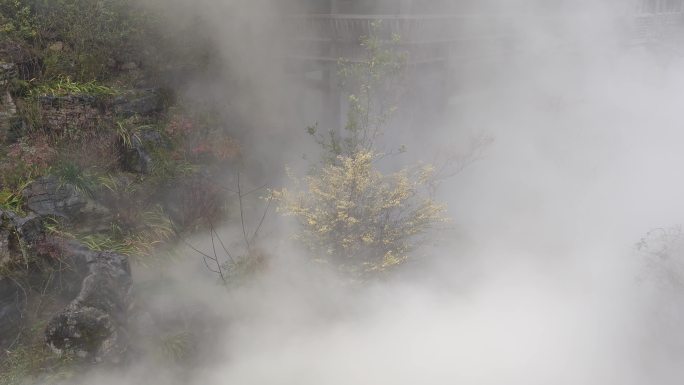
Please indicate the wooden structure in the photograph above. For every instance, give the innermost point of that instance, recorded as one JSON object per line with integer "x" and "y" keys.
{"x": 437, "y": 44}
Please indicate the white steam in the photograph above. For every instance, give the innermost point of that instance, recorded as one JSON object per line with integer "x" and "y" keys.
{"x": 538, "y": 281}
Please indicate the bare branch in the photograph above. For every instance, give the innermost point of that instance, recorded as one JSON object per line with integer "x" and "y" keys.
{"x": 213, "y": 246}
{"x": 205, "y": 257}
{"x": 261, "y": 222}
{"x": 225, "y": 249}
{"x": 242, "y": 212}
{"x": 455, "y": 162}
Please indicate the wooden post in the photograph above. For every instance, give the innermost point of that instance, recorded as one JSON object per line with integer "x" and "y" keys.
{"x": 332, "y": 97}
{"x": 405, "y": 7}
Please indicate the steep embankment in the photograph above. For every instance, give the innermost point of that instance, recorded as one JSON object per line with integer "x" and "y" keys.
{"x": 101, "y": 165}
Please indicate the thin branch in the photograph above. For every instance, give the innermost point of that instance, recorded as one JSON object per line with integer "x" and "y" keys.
{"x": 8, "y": 349}
{"x": 230, "y": 190}
{"x": 204, "y": 258}
{"x": 23, "y": 290}
{"x": 207, "y": 265}
{"x": 457, "y": 162}
{"x": 255, "y": 190}
{"x": 263, "y": 217}
{"x": 198, "y": 251}
{"x": 213, "y": 246}
{"x": 242, "y": 212}
{"x": 225, "y": 249}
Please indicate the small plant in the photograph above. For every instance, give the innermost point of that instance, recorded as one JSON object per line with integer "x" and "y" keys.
{"x": 234, "y": 268}
{"x": 12, "y": 200}
{"x": 64, "y": 85}
{"x": 83, "y": 182}
{"x": 140, "y": 243}
{"x": 125, "y": 134}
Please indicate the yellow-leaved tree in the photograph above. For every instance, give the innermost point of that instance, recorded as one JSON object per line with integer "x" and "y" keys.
{"x": 350, "y": 213}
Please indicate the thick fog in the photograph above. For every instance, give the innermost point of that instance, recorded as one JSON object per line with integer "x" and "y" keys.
{"x": 537, "y": 278}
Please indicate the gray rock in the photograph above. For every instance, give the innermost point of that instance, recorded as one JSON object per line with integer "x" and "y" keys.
{"x": 93, "y": 325}
{"x": 138, "y": 157}
{"x": 48, "y": 196}
{"x": 139, "y": 102}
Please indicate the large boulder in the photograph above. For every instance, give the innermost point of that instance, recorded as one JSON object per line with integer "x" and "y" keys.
{"x": 93, "y": 325}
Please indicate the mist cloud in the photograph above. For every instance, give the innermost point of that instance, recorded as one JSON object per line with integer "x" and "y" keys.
{"x": 538, "y": 280}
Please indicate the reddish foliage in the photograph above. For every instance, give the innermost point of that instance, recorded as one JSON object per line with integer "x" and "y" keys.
{"x": 198, "y": 202}
{"x": 179, "y": 127}
{"x": 34, "y": 152}
{"x": 201, "y": 143}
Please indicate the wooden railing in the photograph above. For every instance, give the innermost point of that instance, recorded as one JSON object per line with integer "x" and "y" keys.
{"x": 426, "y": 39}
{"x": 430, "y": 38}
{"x": 653, "y": 26}
{"x": 411, "y": 29}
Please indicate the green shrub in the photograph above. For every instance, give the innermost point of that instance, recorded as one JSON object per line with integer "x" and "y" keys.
{"x": 93, "y": 33}
{"x": 17, "y": 20}
{"x": 11, "y": 200}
